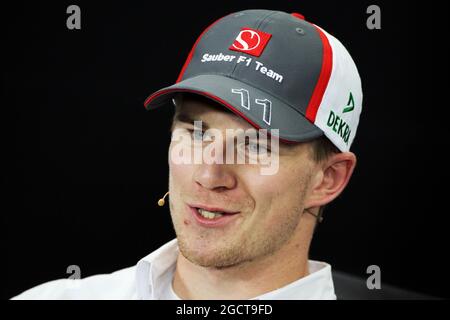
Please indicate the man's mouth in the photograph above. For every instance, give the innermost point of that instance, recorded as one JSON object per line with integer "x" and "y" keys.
{"x": 212, "y": 216}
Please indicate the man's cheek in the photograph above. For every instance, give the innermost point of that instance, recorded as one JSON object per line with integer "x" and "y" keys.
{"x": 266, "y": 187}
{"x": 180, "y": 184}
{"x": 179, "y": 173}
{"x": 271, "y": 198}
{"x": 263, "y": 205}
{"x": 180, "y": 149}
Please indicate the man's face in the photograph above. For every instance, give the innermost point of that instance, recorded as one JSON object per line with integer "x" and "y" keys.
{"x": 263, "y": 211}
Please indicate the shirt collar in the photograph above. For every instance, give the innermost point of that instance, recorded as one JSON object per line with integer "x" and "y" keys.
{"x": 152, "y": 270}
{"x": 154, "y": 274}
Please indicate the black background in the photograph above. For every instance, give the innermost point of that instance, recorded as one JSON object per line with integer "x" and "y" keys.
{"x": 85, "y": 163}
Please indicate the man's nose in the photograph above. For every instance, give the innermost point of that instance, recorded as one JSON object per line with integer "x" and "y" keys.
{"x": 215, "y": 176}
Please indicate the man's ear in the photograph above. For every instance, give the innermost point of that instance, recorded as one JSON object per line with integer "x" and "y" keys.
{"x": 331, "y": 178}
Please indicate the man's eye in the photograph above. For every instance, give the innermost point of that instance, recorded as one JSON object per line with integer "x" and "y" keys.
{"x": 196, "y": 134}
{"x": 264, "y": 149}
{"x": 254, "y": 148}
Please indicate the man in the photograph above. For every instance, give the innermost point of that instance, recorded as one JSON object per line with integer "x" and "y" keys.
{"x": 242, "y": 232}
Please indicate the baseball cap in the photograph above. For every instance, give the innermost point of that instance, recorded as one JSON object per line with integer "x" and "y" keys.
{"x": 277, "y": 71}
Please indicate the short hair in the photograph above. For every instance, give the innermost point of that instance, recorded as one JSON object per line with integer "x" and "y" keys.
{"x": 323, "y": 148}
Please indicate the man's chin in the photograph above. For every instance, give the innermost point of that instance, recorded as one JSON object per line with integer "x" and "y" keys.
{"x": 209, "y": 256}
{"x": 210, "y": 261}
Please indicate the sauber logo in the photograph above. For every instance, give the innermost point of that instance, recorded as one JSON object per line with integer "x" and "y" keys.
{"x": 247, "y": 40}
{"x": 251, "y": 41}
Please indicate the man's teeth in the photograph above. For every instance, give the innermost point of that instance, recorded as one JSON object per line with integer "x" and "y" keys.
{"x": 209, "y": 214}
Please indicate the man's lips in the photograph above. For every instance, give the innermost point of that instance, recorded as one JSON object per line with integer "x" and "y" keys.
{"x": 212, "y": 208}
{"x": 227, "y": 215}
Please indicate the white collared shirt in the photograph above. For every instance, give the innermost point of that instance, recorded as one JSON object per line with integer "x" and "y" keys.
{"x": 152, "y": 279}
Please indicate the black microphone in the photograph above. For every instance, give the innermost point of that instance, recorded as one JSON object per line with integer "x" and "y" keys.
{"x": 318, "y": 216}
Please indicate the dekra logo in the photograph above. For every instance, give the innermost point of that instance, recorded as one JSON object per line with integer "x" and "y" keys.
{"x": 337, "y": 124}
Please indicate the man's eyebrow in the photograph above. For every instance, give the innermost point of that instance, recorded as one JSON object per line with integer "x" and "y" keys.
{"x": 258, "y": 137}
{"x": 186, "y": 118}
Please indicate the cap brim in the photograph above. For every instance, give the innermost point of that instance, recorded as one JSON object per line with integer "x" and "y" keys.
{"x": 292, "y": 125}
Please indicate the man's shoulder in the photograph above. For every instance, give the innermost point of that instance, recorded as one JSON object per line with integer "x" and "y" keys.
{"x": 117, "y": 285}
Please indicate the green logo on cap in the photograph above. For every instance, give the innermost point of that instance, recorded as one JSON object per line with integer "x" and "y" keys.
{"x": 338, "y": 125}
{"x": 350, "y": 104}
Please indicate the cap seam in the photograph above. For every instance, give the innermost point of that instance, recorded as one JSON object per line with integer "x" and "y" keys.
{"x": 265, "y": 19}
{"x": 258, "y": 24}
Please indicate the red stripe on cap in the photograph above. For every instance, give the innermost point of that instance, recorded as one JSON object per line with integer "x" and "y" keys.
{"x": 191, "y": 53}
{"x": 298, "y": 15}
{"x": 217, "y": 99}
{"x": 324, "y": 77}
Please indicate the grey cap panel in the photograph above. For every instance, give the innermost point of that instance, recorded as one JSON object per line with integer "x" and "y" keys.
{"x": 291, "y": 124}
{"x": 299, "y": 65}
{"x": 218, "y": 39}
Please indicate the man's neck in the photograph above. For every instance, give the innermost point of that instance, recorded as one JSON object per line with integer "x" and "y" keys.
{"x": 244, "y": 281}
